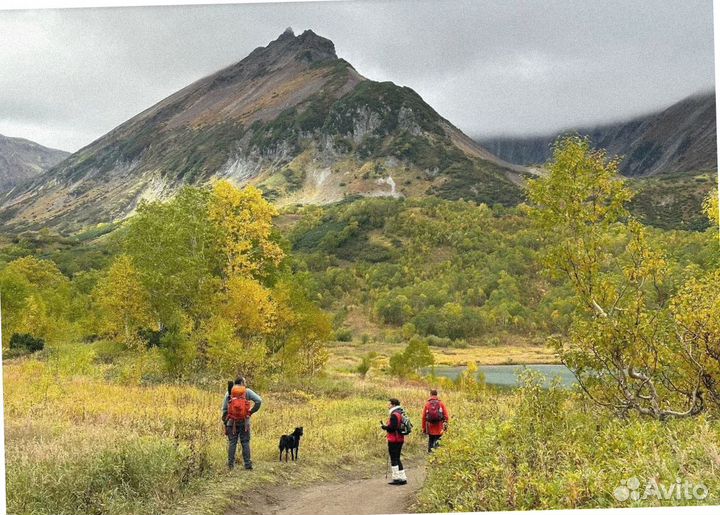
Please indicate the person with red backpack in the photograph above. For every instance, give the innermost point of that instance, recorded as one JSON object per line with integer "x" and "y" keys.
{"x": 397, "y": 427}
{"x": 435, "y": 418}
{"x": 236, "y": 412}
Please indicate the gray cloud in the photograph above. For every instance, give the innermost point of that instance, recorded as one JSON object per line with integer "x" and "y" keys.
{"x": 490, "y": 67}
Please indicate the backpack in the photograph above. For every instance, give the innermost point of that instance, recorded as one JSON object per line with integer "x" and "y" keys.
{"x": 238, "y": 405}
{"x": 405, "y": 424}
{"x": 434, "y": 411}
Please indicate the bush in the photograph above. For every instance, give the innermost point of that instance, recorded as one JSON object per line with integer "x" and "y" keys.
{"x": 178, "y": 352}
{"x": 366, "y": 363}
{"x": 438, "y": 341}
{"x": 343, "y": 335}
{"x": 416, "y": 355}
{"x": 26, "y": 342}
{"x": 108, "y": 351}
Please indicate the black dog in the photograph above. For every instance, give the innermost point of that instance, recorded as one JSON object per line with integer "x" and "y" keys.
{"x": 291, "y": 443}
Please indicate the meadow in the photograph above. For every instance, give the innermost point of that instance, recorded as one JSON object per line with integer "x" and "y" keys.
{"x": 77, "y": 443}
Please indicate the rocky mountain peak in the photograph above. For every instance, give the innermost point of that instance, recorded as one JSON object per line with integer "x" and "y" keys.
{"x": 286, "y": 57}
{"x": 308, "y": 47}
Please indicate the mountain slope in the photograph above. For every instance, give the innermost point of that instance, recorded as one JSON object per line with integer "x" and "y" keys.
{"x": 682, "y": 138}
{"x": 22, "y": 159}
{"x": 293, "y": 119}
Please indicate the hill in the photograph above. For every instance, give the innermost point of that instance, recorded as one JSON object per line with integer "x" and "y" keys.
{"x": 22, "y": 159}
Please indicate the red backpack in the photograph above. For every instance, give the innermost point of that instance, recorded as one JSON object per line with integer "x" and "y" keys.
{"x": 434, "y": 411}
{"x": 238, "y": 406}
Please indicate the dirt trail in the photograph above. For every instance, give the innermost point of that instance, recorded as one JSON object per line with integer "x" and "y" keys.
{"x": 368, "y": 496}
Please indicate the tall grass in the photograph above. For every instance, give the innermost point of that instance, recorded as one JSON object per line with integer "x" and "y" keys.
{"x": 547, "y": 449}
{"x": 76, "y": 443}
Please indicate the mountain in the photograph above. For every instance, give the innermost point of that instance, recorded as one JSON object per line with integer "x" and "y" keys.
{"x": 291, "y": 118}
{"x": 670, "y": 155}
{"x": 22, "y": 159}
{"x": 679, "y": 139}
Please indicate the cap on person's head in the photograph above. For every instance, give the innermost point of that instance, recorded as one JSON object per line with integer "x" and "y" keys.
{"x": 433, "y": 392}
{"x": 395, "y": 402}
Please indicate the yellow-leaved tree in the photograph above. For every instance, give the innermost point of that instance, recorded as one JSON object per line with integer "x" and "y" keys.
{"x": 712, "y": 210}
{"x": 210, "y": 262}
{"x": 244, "y": 222}
{"x": 36, "y": 300}
{"x": 123, "y": 304}
{"x": 228, "y": 354}
{"x": 632, "y": 345}
{"x": 233, "y": 339}
{"x": 247, "y": 305}
{"x": 696, "y": 310}
{"x": 301, "y": 331}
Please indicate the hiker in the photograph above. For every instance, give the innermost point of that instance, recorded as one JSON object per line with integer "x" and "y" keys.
{"x": 435, "y": 418}
{"x": 236, "y": 412}
{"x": 395, "y": 439}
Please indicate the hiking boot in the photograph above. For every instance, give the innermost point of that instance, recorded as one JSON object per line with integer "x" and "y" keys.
{"x": 402, "y": 477}
{"x": 398, "y": 482}
{"x": 248, "y": 467}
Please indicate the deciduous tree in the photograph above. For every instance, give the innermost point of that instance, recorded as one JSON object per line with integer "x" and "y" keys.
{"x": 123, "y": 304}
{"x": 624, "y": 346}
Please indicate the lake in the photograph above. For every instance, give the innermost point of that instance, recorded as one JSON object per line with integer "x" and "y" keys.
{"x": 507, "y": 375}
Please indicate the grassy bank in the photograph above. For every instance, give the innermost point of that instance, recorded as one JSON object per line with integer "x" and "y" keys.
{"x": 346, "y": 356}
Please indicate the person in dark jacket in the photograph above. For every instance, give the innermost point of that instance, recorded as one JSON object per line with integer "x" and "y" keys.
{"x": 435, "y": 409}
{"x": 395, "y": 441}
{"x": 241, "y": 433}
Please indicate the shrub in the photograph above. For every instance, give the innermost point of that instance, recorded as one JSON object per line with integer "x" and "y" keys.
{"x": 438, "y": 341}
{"x": 26, "y": 342}
{"x": 416, "y": 355}
{"x": 366, "y": 363}
{"x": 108, "y": 351}
{"x": 548, "y": 448}
{"x": 343, "y": 335}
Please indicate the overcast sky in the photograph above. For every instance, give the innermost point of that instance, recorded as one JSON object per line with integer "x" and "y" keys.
{"x": 490, "y": 67}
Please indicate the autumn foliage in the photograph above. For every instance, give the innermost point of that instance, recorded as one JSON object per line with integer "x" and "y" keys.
{"x": 203, "y": 278}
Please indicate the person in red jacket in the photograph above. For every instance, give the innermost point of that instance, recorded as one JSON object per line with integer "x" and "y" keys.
{"x": 395, "y": 440}
{"x": 435, "y": 418}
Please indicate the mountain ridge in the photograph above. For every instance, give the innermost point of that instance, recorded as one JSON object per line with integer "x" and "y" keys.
{"x": 678, "y": 139}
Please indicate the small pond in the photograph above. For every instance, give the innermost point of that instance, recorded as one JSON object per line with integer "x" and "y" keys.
{"x": 507, "y": 375}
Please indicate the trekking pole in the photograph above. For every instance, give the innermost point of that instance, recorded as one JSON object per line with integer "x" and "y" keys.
{"x": 388, "y": 467}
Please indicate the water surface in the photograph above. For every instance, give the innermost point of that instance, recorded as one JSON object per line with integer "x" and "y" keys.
{"x": 507, "y": 375}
